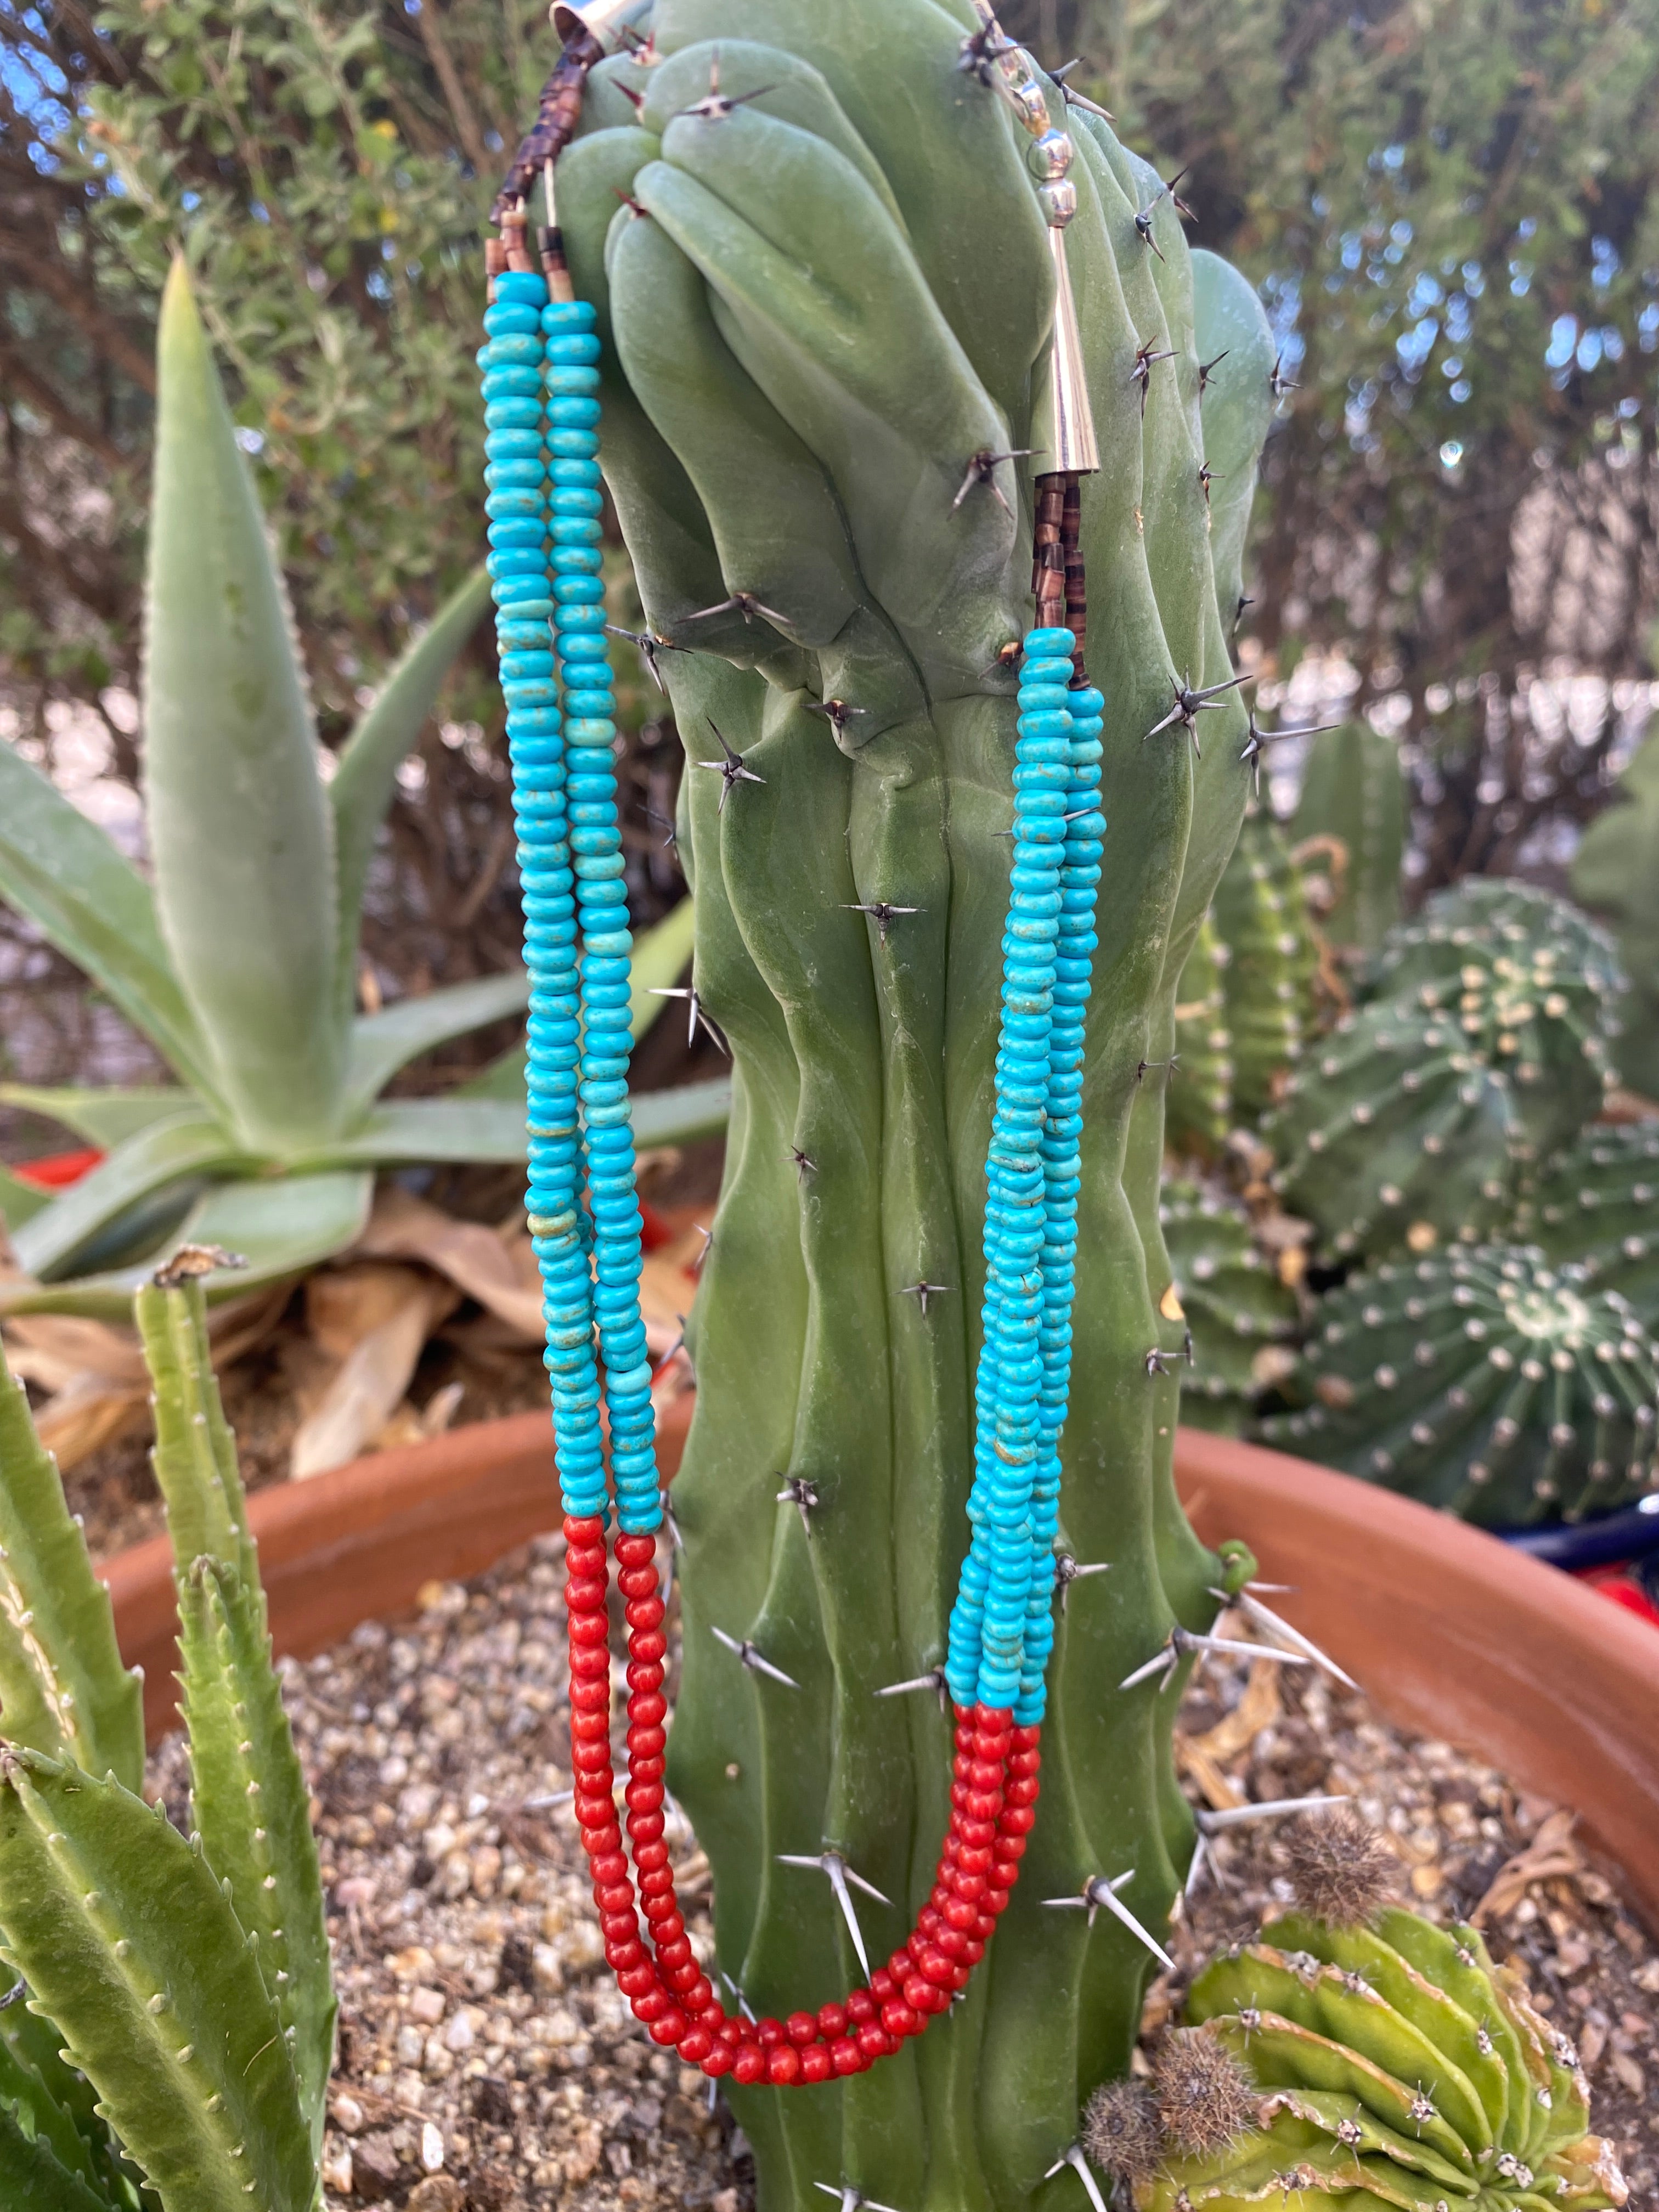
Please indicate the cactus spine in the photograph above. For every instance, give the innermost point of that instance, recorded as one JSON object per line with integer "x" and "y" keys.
{"x": 825, "y": 301}
{"x": 1485, "y": 1382}
{"x": 184, "y": 1982}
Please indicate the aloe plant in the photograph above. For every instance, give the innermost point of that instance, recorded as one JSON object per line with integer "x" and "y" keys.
{"x": 824, "y": 299}
{"x": 169, "y": 2032}
{"x": 240, "y": 964}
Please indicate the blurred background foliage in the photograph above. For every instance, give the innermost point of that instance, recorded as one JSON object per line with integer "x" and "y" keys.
{"x": 1450, "y": 206}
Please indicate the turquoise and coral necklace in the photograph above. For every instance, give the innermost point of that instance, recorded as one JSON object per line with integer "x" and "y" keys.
{"x": 544, "y": 499}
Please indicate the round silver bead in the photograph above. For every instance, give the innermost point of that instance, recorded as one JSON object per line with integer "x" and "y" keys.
{"x": 1051, "y": 156}
{"x": 1058, "y": 201}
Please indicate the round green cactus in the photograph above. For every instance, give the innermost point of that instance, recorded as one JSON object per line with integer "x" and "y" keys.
{"x": 1199, "y": 1111}
{"x": 1597, "y": 1207}
{"x": 1394, "y": 2065}
{"x": 1485, "y": 1382}
{"x": 1262, "y": 914}
{"x": 1480, "y": 1048}
{"x": 1240, "y": 1314}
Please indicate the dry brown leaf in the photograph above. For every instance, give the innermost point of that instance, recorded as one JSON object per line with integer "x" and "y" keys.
{"x": 1199, "y": 1766}
{"x": 375, "y": 1319}
{"x": 485, "y": 1263}
{"x": 1551, "y": 1853}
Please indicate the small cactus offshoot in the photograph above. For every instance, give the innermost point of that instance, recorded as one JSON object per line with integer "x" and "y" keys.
{"x": 1240, "y": 1315}
{"x": 1485, "y": 1382}
{"x": 1353, "y": 793}
{"x": 1597, "y": 1207}
{"x": 1261, "y": 912}
{"x": 1121, "y": 2134}
{"x": 1480, "y": 1049}
{"x": 1391, "y": 2064}
{"x": 1339, "y": 1868}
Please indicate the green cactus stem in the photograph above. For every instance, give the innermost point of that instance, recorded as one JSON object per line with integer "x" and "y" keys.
{"x": 1199, "y": 1111}
{"x": 1615, "y": 871}
{"x": 1480, "y": 1047}
{"x": 1485, "y": 1382}
{"x": 1241, "y": 1317}
{"x": 1394, "y": 2065}
{"x": 825, "y": 304}
{"x": 1262, "y": 914}
{"x": 1353, "y": 794}
{"x": 1595, "y": 1208}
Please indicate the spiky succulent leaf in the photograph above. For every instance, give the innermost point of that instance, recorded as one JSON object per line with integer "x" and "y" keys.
{"x": 129, "y": 1946}
{"x": 1261, "y": 916}
{"x": 367, "y": 771}
{"x": 190, "y": 1142}
{"x": 62, "y": 1688}
{"x": 104, "y": 1118}
{"x": 195, "y": 1453}
{"x": 251, "y": 1806}
{"x": 1615, "y": 871}
{"x": 1483, "y": 1381}
{"x": 1241, "y": 1316}
{"x": 19, "y": 1201}
{"x": 381, "y": 1044}
{"x": 1199, "y": 1104}
{"x": 1353, "y": 793}
{"x": 63, "y": 871}
{"x": 1397, "y": 2067}
{"x": 240, "y": 829}
{"x": 32, "y": 2171}
{"x": 1595, "y": 1208}
{"x": 63, "y": 2106}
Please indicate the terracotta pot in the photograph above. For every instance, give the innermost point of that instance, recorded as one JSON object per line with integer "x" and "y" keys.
{"x": 1449, "y": 1631}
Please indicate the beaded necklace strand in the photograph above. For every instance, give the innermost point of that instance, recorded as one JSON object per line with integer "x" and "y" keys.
{"x": 544, "y": 504}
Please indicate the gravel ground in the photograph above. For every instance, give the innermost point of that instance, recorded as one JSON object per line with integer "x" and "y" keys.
{"x": 487, "y": 2064}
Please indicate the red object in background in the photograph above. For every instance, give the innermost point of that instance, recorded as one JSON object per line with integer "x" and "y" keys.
{"x": 654, "y": 1232}
{"x": 1618, "y": 1583}
{"x": 58, "y": 1170}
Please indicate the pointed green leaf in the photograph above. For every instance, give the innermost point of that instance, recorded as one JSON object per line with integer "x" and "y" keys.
{"x": 281, "y": 1225}
{"x": 62, "y": 1688}
{"x": 252, "y": 1808}
{"x": 63, "y": 871}
{"x": 104, "y": 1118}
{"x": 502, "y": 1079}
{"x": 382, "y": 1043}
{"x": 682, "y": 1116}
{"x": 239, "y": 827}
{"x": 401, "y": 1132}
{"x": 190, "y": 1143}
{"x": 195, "y": 1454}
{"x": 131, "y": 1947}
{"x": 32, "y": 2171}
{"x": 363, "y": 781}
{"x": 32, "y": 2049}
{"x": 20, "y": 1201}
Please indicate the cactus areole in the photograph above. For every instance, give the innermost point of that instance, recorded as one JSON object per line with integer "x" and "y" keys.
{"x": 818, "y": 267}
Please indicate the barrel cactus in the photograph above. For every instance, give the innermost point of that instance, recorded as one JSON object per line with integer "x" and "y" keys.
{"x": 1597, "y": 1208}
{"x": 1480, "y": 1048}
{"x": 1200, "y": 1108}
{"x": 168, "y": 2038}
{"x": 826, "y": 299}
{"x": 1384, "y": 2063}
{"x": 1241, "y": 1317}
{"x": 1484, "y": 1381}
{"x": 1273, "y": 958}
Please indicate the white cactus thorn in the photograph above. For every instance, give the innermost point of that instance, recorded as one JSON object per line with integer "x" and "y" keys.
{"x": 1101, "y": 1890}
{"x": 734, "y": 1990}
{"x": 1279, "y": 1631}
{"x": 841, "y": 1875}
{"x": 933, "y": 1679}
{"x": 1079, "y": 2165}
{"x": 1182, "y": 1641}
{"x": 1212, "y": 1821}
{"x": 852, "y": 2200}
{"x": 752, "y": 1659}
{"x": 1068, "y": 1570}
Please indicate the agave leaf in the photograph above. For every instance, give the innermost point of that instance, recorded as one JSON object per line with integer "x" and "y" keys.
{"x": 239, "y": 825}
{"x": 195, "y": 1454}
{"x": 104, "y": 1118}
{"x": 362, "y": 789}
{"x": 62, "y": 1688}
{"x": 20, "y": 1201}
{"x": 250, "y": 1806}
{"x": 382, "y": 1043}
{"x": 131, "y": 1948}
{"x": 192, "y": 1142}
{"x": 682, "y": 1116}
{"x": 281, "y": 1227}
{"x": 502, "y": 1079}
{"x": 34, "y": 2171}
{"x": 406, "y": 1132}
{"x": 64, "y": 873}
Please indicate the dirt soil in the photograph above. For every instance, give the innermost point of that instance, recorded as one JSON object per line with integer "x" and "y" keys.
{"x": 487, "y": 2061}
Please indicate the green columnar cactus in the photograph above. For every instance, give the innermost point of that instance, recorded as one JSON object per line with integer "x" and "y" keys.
{"x": 1262, "y": 914}
{"x": 1480, "y": 1048}
{"x": 174, "y": 2043}
{"x": 1241, "y": 1316}
{"x": 1595, "y": 1208}
{"x": 1393, "y": 2064}
{"x": 1352, "y": 791}
{"x": 1616, "y": 874}
{"x": 825, "y": 295}
{"x": 1200, "y": 1108}
{"x": 1485, "y": 1382}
